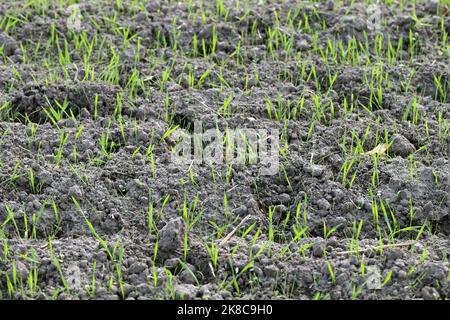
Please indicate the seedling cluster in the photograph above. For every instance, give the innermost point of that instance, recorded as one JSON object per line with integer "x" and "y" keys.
{"x": 89, "y": 116}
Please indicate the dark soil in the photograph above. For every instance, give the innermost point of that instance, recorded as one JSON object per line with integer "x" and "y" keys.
{"x": 60, "y": 247}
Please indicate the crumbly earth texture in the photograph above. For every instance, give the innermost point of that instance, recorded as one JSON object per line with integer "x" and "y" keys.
{"x": 94, "y": 93}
